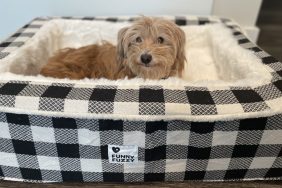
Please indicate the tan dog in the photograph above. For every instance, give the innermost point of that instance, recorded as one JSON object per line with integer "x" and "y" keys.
{"x": 152, "y": 48}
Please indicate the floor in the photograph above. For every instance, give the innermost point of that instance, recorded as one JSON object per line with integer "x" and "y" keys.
{"x": 258, "y": 184}
{"x": 270, "y": 39}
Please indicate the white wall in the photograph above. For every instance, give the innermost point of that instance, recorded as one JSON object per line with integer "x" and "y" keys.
{"x": 245, "y": 12}
{"x": 15, "y": 13}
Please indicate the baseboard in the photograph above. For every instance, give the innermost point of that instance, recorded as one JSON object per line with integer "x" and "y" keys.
{"x": 252, "y": 32}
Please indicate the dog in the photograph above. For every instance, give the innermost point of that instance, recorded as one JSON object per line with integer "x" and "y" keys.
{"x": 151, "y": 48}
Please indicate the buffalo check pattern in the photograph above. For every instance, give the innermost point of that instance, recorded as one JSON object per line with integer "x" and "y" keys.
{"x": 44, "y": 148}
{"x": 49, "y": 149}
{"x": 157, "y": 101}
{"x": 142, "y": 101}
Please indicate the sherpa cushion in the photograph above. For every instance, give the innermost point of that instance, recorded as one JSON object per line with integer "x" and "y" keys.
{"x": 222, "y": 80}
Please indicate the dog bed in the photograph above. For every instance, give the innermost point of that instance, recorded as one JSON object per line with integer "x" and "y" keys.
{"x": 222, "y": 121}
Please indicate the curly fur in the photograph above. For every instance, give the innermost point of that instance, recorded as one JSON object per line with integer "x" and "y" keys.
{"x": 124, "y": 60}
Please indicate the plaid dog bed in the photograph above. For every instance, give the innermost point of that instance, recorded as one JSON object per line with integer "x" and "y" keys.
{"x": 54, "y": 132}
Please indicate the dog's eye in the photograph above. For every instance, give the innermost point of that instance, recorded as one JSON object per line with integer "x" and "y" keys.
{"x": 160, "y": 40}
{"x": 138, "y": 39}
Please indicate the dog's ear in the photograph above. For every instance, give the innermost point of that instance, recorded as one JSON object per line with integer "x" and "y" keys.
{"x": 180, "y": 55}
{"x": 121, "y": 44}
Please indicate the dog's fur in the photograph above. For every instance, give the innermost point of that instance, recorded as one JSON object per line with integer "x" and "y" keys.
{"x": 163, "y": 40}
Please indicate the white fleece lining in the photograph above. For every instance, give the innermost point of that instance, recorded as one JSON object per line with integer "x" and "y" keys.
{"x": 215, "y": 61}
{"x": 214, "y": 57}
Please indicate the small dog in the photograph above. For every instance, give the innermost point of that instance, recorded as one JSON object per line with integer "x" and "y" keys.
{"x": 152, "y": 48}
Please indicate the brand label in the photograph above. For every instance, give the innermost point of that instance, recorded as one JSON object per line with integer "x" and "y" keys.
{"x": 123, "y": 154}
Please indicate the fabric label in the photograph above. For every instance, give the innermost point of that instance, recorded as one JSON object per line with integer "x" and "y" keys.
{"x": 123, "y": 154}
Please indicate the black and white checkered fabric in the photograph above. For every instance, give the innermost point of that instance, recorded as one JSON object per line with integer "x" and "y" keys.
{"x": 37, "y": 145}
{"x": 157, "y": 101}
{"x": 44, "y": 149}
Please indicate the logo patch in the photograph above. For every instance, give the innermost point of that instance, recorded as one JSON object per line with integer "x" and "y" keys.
{"x": 123, "y": 154}
{"x": 116, "y": 149}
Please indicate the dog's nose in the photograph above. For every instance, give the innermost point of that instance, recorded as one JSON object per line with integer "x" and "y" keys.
{"x": 146, "y": 58}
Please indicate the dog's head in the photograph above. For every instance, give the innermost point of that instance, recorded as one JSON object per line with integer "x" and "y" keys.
{"x": 152, "y": 48}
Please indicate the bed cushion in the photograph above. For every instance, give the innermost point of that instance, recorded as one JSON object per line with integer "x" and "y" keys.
{"x": 221, "y": 121}
{"x": 222, "y": 81}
